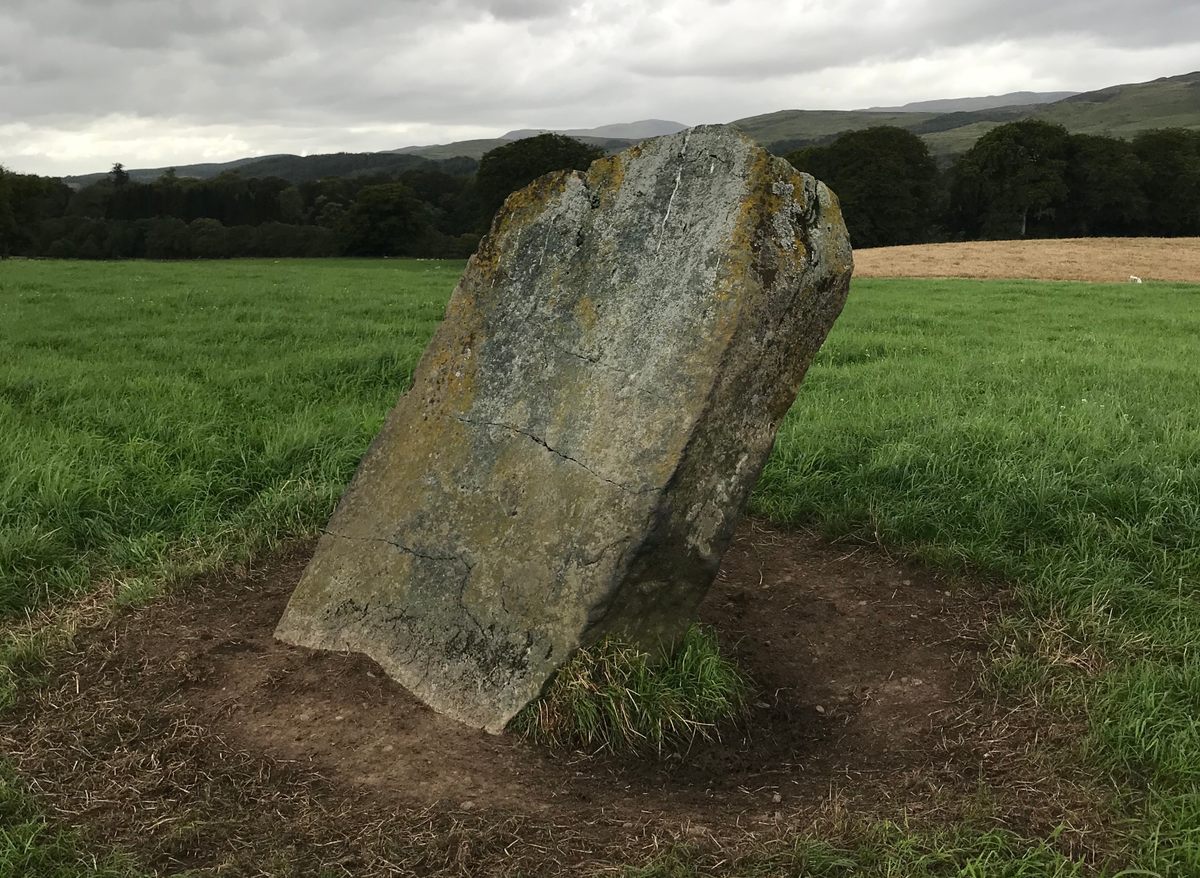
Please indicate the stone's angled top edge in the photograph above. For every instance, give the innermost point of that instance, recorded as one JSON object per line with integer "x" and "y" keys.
{"x": 718, "y": 128}
{"x": 685, "y": 136}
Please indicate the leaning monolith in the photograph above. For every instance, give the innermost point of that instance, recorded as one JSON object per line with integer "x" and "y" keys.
{"x": 586, "y": 424}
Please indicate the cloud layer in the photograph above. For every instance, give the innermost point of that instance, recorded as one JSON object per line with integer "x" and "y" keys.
{"x": 84, "y": 83}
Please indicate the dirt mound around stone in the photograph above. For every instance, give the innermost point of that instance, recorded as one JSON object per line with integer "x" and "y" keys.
{"x": 1110, "y": 260}
{"x": 186, "y": 732}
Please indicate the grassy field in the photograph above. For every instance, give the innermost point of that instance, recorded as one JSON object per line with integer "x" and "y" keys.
{"x": 1046, "y": 434}
{"x": 164, "y": 418}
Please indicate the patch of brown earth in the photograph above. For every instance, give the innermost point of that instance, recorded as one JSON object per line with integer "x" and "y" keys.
{"x": 1111, "y": 260}
{"x": 185, "y": 732}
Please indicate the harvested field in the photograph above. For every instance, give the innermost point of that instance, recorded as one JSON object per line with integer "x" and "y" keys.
{"x": 1109, "y": 260}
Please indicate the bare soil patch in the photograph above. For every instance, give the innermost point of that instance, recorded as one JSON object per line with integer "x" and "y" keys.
{"x": 1111, "y": 260}
{"x": 185, "y": 732}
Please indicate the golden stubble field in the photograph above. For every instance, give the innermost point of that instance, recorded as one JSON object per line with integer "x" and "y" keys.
{"x": 1089, "y": 259}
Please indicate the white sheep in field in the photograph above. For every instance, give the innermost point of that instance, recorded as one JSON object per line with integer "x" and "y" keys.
{"x": 1134, "y": 279}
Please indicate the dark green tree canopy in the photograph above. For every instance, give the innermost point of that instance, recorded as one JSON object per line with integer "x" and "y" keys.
{"x": 515, "y": 165}
{"x": 1105, "y": 192}
{"x": 384, "y": 220}
{"x": 885, "y": 180}
{"x": 1171, "y": 159}
{"x": 8, "y": 223}
{"x": 1012, "y": 180}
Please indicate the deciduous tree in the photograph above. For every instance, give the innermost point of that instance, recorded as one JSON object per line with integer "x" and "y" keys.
{"x": 8, "y": 223}
{"x": 885, "y": 180}
{"x": 384, "y": 220}
{"x": 1171, "y": 158}
{"x": 508, "y": 168}
{"x": 1105, "y": 193}
{"x": 1011, "y": 180}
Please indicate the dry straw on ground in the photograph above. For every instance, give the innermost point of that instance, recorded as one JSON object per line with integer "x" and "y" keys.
{"x": 1112, "y": 260}
{"x": 184, "y": 733}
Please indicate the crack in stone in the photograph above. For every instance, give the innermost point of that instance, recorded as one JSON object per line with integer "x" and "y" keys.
{"x": 408, "y": 550}
{"x": 593, "y": 560}
{"x": 343, "y": 615}
{"x": 608, "y": 367}
{"x": 593, "y": 360}
{"x": 542, "y": 442}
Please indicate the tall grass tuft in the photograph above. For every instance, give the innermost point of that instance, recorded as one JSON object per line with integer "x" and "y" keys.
{"x": 615, "y": 697}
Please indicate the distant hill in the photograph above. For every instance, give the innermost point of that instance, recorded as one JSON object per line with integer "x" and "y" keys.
{"x": 146, "y": 175}
{"x": 948, "y": 126}
{"x": 966, "y": 105}
{"x": 1126, "y": 110}
{"x": 299, "y": 169}
{"x": 475, "y": 149}
{"x": 1118, "y": 111}
{"x": 640, "y": 130}
{"x": 785, "y": 130}
{"x": 610, "y": 138}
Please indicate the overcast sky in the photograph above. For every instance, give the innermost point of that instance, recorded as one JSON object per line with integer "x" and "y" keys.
{"x": 152, "y": 83}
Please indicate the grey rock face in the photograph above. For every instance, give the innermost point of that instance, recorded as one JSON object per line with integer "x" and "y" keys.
{"x": 586, "y": 424}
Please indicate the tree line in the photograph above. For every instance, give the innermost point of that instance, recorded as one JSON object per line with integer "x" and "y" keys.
{"x": 1022, "y": 179}
{"x": 438, "y": 209}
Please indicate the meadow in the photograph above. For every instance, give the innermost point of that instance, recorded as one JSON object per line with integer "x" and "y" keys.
{"x": 164, "y": 419}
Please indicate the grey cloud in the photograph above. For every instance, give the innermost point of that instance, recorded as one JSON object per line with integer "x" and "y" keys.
{"x": 758, "y": 48}
{"x": 524, "y": 10}
{"x": 338, "y": 66}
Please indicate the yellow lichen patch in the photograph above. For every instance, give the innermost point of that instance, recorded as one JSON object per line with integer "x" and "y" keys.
{"x": 533, "y": 197}
{"x": 585, "y": 313}
{"x": 738, "y": 282}
{"x": 445, "y": 378}
{"x": 606, "y": 175}
{"x": 523, "y": 205}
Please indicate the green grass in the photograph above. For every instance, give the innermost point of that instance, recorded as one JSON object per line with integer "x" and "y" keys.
{"x": 615, "y": 697}
{"x": 1047, "y": 435}
{"x": 160, "y": 419}
{"x": 32, "y": 848}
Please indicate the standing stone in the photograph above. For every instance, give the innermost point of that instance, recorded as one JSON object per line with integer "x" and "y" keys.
{"x": 586, "y": 424}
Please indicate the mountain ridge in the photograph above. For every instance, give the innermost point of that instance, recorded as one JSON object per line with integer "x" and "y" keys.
{"x": 1119, "y": 111}
{"x": 988, "y": 102}
{"x": 640, "y": 130}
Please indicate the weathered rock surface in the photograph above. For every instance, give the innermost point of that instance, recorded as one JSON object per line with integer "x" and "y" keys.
{"x": 586, "y": 424}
